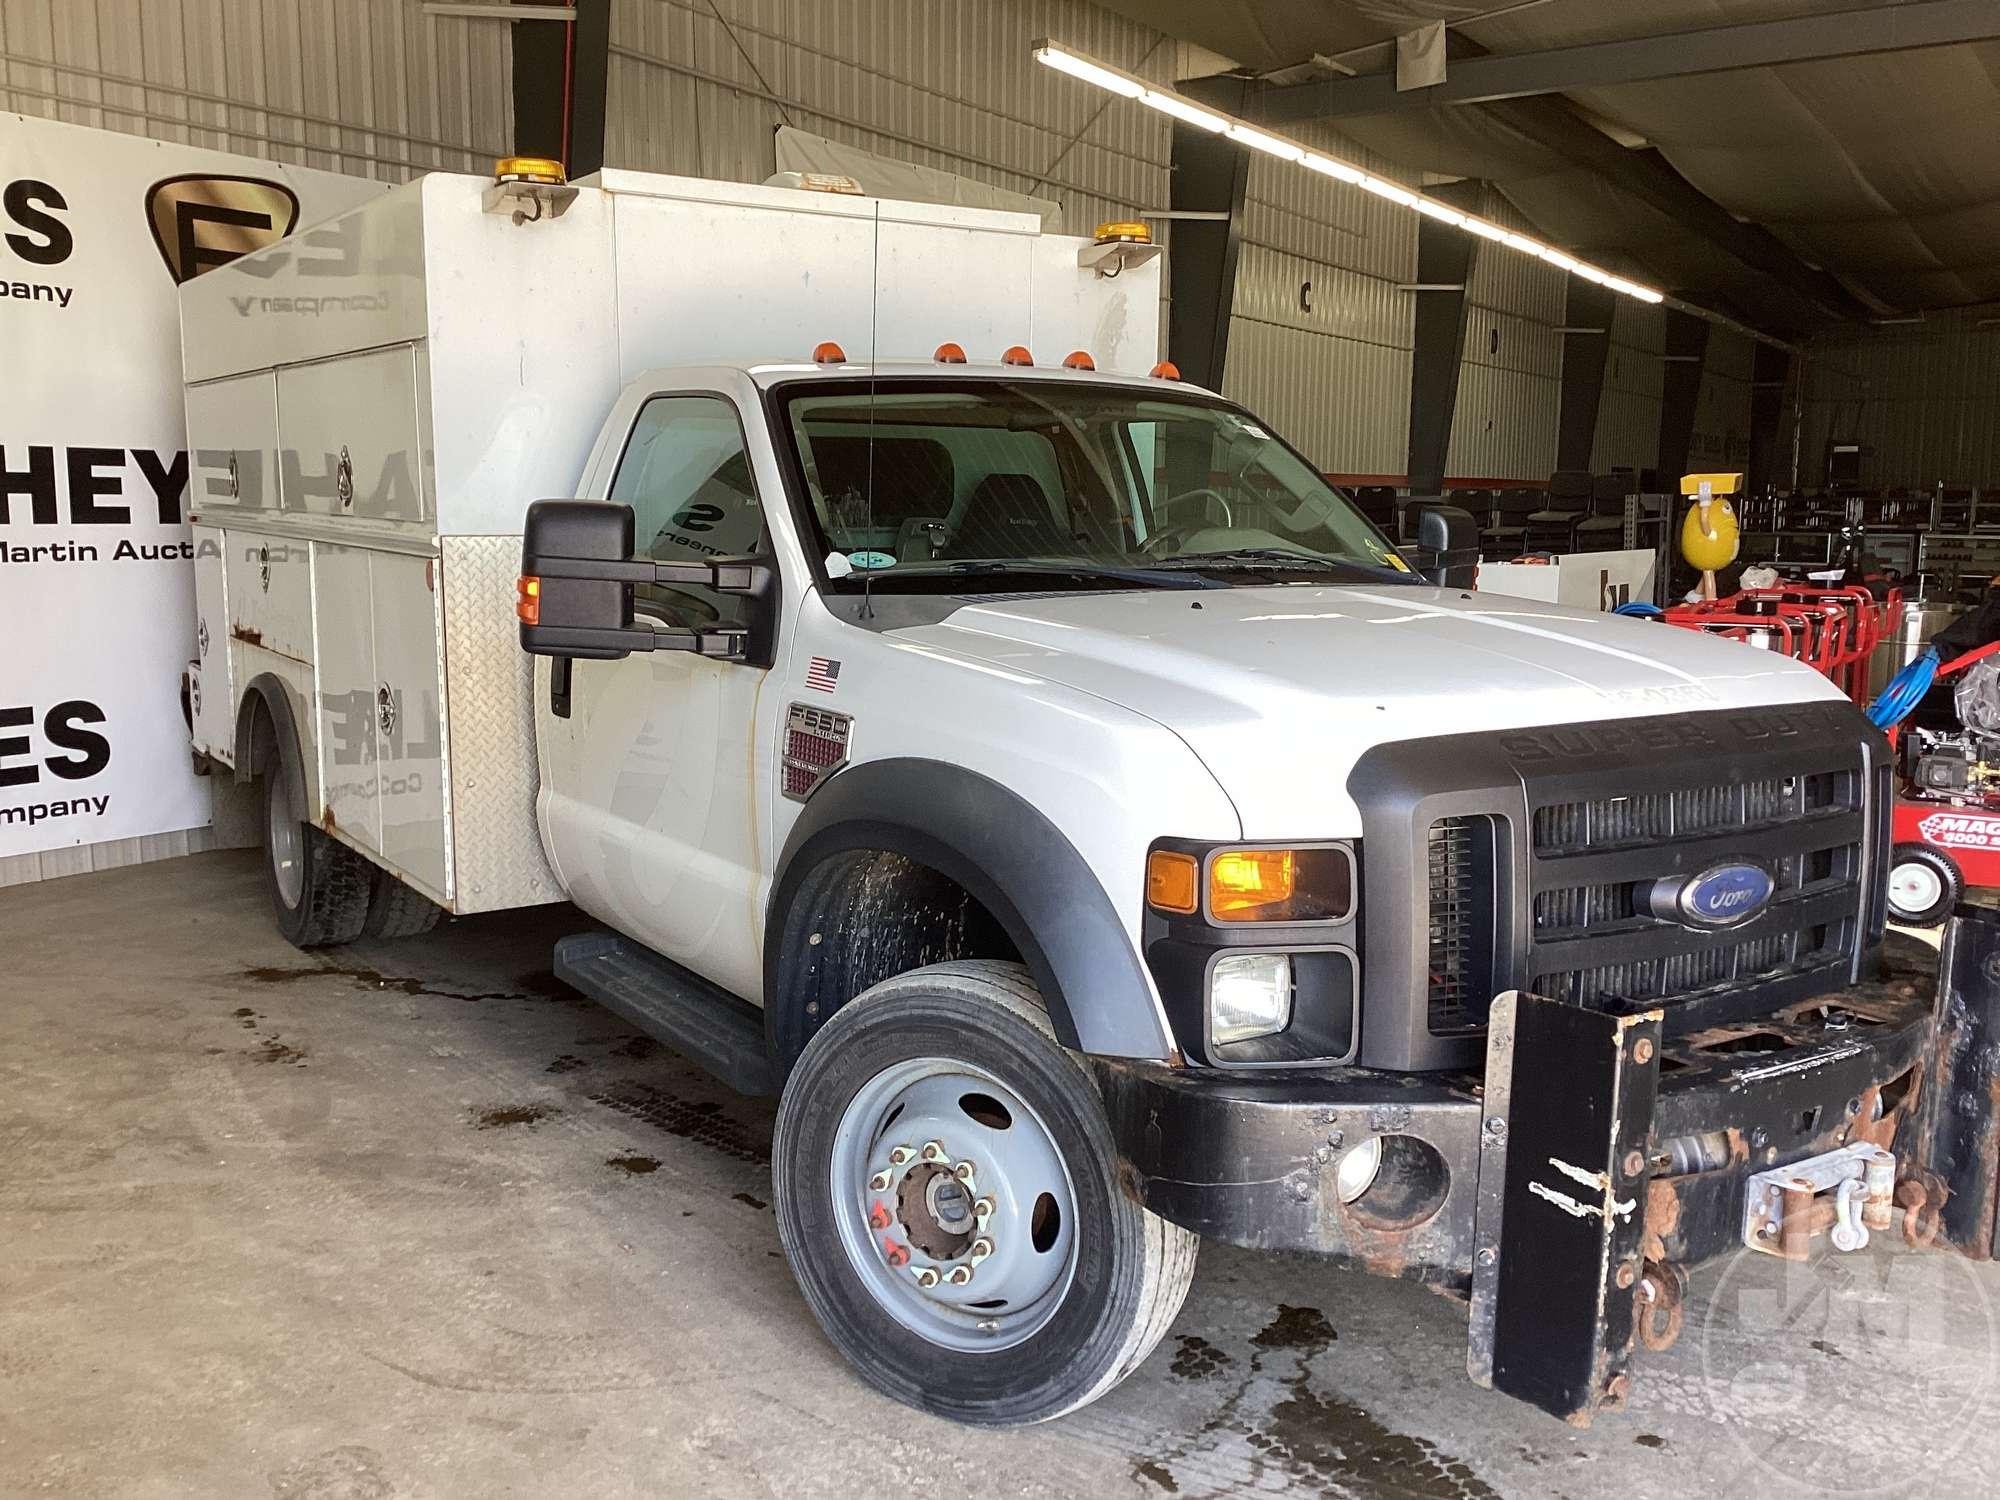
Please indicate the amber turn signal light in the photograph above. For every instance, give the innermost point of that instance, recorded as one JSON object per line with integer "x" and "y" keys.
{"x": 1173, "y": 881}
{"x": 528, "y": 606}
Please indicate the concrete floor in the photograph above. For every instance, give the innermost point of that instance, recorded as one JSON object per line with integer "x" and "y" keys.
{"x": 412, "y": 1220}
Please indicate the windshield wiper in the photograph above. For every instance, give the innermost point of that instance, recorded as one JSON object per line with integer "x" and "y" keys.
{"x": 1280, "y": 557}
{"x": 1152, "y": 577}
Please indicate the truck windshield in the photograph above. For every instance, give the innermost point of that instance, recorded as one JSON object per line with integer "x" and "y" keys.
{"x": 973, "y": 483}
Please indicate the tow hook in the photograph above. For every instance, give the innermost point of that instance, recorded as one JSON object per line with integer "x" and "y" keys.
{"x": 1843, "y": 1194}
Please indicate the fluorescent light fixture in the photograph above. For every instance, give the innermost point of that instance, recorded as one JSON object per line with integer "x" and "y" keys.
{"x": 1089, "y": 72}
{"x": 1313, "y": 161}
{"x": 1269, "y": 144}
{"x": 1128, "y": 87}
{"x": 1392, "y": 191}
{"x": 1180, "y": 109}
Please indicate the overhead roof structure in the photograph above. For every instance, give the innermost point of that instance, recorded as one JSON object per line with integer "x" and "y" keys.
{"x": 1792, "y": 163}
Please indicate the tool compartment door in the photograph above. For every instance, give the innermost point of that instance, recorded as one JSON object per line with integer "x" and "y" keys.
{"x": 349, "y": 427}
{"x": 408, "y": 722}
{"x": 232, "y": 443}
{"x": 349, "y": 749}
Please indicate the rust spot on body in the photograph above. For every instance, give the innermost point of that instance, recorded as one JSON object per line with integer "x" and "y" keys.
{"x": 246, "y": 635}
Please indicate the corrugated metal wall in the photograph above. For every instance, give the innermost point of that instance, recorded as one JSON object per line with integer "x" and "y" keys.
{"x": 1925, "y": 396}
{"x": 698, "y": 89}
{"x": 1319, "y": 343}
{"x": 1510, "y": 381}
{"x": 1721, "y": 438}
{"x": 374, "y": 88}
{"x": 1628, "y": 416}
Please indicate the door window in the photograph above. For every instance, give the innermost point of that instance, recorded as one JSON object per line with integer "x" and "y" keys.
{"x": 686, "y": 475}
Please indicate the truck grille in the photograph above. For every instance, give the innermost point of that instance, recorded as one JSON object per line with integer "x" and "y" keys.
{"x": 1594, "y": 939}
{"x": 1463, "y": 868}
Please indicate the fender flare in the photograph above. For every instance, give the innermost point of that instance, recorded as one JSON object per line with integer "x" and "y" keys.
{"x": 269, "y": 688}
{"x": 1014, "y": 862}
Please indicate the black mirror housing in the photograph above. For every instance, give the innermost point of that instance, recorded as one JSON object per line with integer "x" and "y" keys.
{"x": 1448, "y": 538}
{"x": 577, "y": 574}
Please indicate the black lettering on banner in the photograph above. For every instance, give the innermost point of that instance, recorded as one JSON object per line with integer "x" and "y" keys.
{"x": 93, "y": 750}
{"x": 25, "y": 201}
{"x": 194, "y": 256}
{"x": 13, "y": 746}
{"x": 698, "y": 518}
{"x": 37, "y": 482}
{"x": 86, "y": 484}
{"x": 169, "y": 482}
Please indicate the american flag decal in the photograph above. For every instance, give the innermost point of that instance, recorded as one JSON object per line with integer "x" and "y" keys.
{"x": 823, "y": 674}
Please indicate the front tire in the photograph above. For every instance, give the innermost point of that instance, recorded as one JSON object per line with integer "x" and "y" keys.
{"x": 319, "y": 887}
{"x": 948, "y": 1196}
{"x": 1924, "y": 885}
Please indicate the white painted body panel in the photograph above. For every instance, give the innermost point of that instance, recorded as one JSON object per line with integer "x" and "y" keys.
{"x": 1280, "y": 690}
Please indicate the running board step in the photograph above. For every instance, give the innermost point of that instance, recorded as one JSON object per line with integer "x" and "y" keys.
{"x": 699, "y": 1021}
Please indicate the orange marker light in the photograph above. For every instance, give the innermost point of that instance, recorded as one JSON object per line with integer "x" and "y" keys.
{"x": 949, "y": 354}
{"x": 1079, "y": 361}
{"x": 829, "y": 353}
{"x": 529, "y": 604}
{"x": 1017, "y": 356}
{"x": 1166, "y": 369}
{"x": 1171, "y": 881}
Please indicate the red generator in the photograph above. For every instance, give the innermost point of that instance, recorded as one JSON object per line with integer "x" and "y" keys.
{"x": 1947, "y": 818}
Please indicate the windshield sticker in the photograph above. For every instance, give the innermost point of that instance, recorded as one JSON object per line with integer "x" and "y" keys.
{"x": 871, "y": 562}
{"x": 1392, "y": 560}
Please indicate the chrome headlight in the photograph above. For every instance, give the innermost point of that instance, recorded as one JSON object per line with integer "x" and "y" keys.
{"x": 1249, "y": 995}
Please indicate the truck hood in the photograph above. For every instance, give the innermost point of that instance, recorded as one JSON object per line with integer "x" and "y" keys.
{"x": 1279, "y": 690}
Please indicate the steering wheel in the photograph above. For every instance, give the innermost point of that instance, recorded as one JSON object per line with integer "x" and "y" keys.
{"x": 1178, "y": 532}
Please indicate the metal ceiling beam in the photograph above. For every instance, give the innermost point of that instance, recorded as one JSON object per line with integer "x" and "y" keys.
{"x": 1901, "y": 27}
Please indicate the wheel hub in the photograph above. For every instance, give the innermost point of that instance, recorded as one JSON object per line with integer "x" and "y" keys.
{"x": 966, "y": 1224}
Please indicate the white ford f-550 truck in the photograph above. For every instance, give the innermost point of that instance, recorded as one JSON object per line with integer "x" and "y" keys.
{"x": 1032, "y": 769}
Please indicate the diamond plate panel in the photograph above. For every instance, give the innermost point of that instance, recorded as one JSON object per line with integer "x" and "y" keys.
{"x": 490, "y": 725}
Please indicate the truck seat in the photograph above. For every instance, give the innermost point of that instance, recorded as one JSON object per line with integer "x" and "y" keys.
{"x": 1008, "y": 515}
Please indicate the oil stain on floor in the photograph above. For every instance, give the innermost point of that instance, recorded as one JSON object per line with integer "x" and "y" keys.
{"x": 1272, "y": 1429}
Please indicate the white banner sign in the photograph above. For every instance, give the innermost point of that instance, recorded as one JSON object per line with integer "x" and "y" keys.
{"x": 96, "y": 566}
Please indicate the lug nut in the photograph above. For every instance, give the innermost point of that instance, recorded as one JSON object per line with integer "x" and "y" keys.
{"x": 933, "y": 1151}
{"x": 879, "y": 1183}
{"x": 899, "y": 1155}
{"x": 926, "y": 1277}
{"x": 963, "y": 1172}
{"x": 959, "y": 1275}
{"x": 981, "y": 1248}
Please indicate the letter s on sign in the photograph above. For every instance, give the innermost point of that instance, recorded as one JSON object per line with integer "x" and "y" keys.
{"x": 24, "y": 201}
{"x": 93, "y": 750}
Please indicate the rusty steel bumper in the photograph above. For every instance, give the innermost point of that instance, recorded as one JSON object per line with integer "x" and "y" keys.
{"x": 1564, "y": 1191}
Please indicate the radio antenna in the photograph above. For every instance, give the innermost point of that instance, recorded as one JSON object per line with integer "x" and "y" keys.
{"x": 874, "y": 320}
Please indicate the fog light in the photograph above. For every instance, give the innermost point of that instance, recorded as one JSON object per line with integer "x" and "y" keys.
{"x": 1249, "y": 995}
{"x": 1355, "y": 1172}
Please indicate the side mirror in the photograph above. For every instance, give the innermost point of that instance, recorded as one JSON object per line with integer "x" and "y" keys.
{"x": 577, "y": 576}
{"x": 1448, "y": 538}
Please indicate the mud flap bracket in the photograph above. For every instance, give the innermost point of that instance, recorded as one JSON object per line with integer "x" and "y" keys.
{"x": 1560, "y": 1207}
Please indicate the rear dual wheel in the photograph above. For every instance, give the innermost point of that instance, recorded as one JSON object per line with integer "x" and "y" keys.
{"x": 323, "y": 892}
{"x": 948, "y": 1198}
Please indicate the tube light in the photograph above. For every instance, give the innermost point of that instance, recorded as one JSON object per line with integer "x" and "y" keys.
{"x": 1180, "y": 109}
{"x": 1128, "y": 87}
{"x": 1089, "y": 72}
{"x": 1313, "y": 161}
{"x": 1390, "y": 190}
{"x": 1269, "y": 144}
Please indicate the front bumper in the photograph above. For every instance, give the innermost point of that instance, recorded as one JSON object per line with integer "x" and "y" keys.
{"x": 1249, "y": 1160}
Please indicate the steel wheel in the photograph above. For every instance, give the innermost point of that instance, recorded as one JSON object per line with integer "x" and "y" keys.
{"x": 954, "y": 1205}
{"x": 284, "y": 845}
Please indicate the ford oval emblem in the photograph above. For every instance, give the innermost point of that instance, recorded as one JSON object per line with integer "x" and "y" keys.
{"x": 1720, "y": 896}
